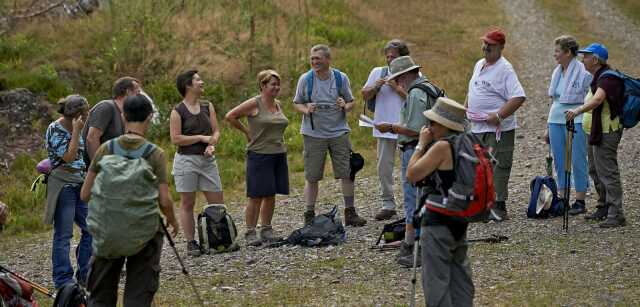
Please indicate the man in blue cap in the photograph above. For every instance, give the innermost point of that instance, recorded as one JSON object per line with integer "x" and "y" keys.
{"x": 602, "y": 111}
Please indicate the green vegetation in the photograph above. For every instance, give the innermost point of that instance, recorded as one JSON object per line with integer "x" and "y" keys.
{"x": 631, "y": 8}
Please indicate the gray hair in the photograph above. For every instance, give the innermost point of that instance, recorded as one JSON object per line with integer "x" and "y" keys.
{"x": 568, "y": 43}
{"x": 324, "y": 48}
{"x": 600, "y": 60}
{"x": 398, "y": 45}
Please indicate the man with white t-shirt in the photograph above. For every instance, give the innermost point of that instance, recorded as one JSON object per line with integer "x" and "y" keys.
{"x": 494, "y": 95}
{"x": 388, "y": 97}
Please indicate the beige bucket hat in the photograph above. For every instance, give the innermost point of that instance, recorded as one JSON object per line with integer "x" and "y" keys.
{"x": 448, "y": 113}
{"x": 401, "y": 65}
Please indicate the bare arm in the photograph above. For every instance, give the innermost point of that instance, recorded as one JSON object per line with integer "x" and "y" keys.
{"x": 85, "y": 191}
{"x": 304, "y": 108}
{"x": 93, "y": 141}
{"x": 74, "y": 144}
{"x": 370, "y": 91}
{"x": 593, "y": 103}
{"x": 436, "y": 157}
{"x": 247, "y": 108}
{"x": 215, "y": 129}
{"x": 175, "y": 131}
{"x": 166, "y": 207}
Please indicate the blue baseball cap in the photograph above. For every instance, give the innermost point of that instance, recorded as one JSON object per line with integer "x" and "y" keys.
{"x": 598, "y": 49}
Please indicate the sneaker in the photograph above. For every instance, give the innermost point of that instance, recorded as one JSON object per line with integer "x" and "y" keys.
{"x": 351, "y": 218}
{"x": 613, "y": 222}
{"x": 308, "y": 217}
{"x": 266, "y": 234}
{"x": 407, "y": 261}
{"x": 578, "y": 208}
{"x": 406, "y": 249}
{"x": 599, "y": 215}
{"x": 499, "y": 212}
{"x": 193, "y": 249}
{"x": 251, "y": 238}
{"x": 385, "y": 214}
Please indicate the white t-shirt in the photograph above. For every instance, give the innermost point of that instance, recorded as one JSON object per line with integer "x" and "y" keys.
{"x": 489, "y": 90}
{"x": 388, "y": 104}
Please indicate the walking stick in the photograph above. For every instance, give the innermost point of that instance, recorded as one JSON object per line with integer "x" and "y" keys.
{"x": 567, "y": 173}
{"x": 35, "y": 286}
{"x": 416, "y": 248}
{"x": 184, "y": 269}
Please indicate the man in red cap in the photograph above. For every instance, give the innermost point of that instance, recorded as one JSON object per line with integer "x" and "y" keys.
{"x": 493, "y": 97}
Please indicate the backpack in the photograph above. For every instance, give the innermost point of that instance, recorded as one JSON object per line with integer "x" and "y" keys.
{"x": 392, "y": 232}
{"x": 71, "y": 295}
{"x": 124, "y": 213}
{"x": 337, "y": 75}
{"x": 15, "y": 292}
{"x": 371, "y": 103}
{"x": 216, "y": 230}
{"x": 325, "y": 229}
{"x": 631, "y": 106}
{"x": 429, "y": 88}
{"x": 472, "y": 194}
{"x": 544, "y": 201}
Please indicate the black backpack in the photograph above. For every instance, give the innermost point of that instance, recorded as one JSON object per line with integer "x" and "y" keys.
{"x": 431, "y": 89}
{"x": 71, "y": 295}
{"x": 216, "y": 230}
{"x": 393, "y": 231}
{"x": 325, "y": 229}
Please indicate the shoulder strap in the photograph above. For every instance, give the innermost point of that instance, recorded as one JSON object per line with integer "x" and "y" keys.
{"x": 144, "y": 151}
{"x": 309, "y": 78}
{"x": 384, "y": 72}
{"x": 431, "y": 89}
{"x": 338, "y": 77}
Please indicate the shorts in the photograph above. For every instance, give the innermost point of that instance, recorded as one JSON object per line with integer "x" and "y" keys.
{"x": 267, "y": 174}
{"x": 315, "y": 152}
{"x": 193, "y": 173}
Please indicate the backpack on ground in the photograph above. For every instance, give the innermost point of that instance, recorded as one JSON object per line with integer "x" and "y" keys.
{"x": 71, "y": 295}
{"x": 216, "y": 230}
{"x": 472, "y": 194}
{"x": 429, "y": 88}
{"x": 15, "y": 292}
{"x": 544, "y": 201}
{"x": 124, "y": 213}
{"x": 392, "y": 232}
{"x": 325, "y": 229}
{"x": 631, "y": 97}
{"x": 371, "y": 103}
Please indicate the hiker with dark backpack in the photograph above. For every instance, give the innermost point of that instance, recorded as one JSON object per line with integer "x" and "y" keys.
{"x": 385, "y": 99}
{"x": 461, "y": 178}
{"x": 126, "y": 185}
{"x": 323, "y": 96}
{"x": 65, "y": 149}
{"x": 422, "y": 95}
{"x": 603, "y": 112}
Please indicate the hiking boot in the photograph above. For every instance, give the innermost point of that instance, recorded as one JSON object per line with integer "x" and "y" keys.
{"x": 499, "y": 212}
{"x": 385, "y": 214}
{"x": 351, "y": 218}
{"x": 578, "y": 208}
{"x": 308, "y": 217}
{"x": 614, "y": 222}
{"x": 406, "y": 249}
{"x": 599, "y": 215}
{"x": 251, "y": 238}
{"x": 407, "y": 261}
{"x": 193, "y": 248}
{"x": 266, "y": 234}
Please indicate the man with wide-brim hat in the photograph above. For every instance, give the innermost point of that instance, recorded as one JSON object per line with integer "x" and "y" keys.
{"x": 494, "y": 95}
{"x": 446, "y": 273}
{"x": 421, "y": 95}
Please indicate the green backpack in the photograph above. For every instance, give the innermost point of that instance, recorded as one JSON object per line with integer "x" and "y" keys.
{"x": 123, "y": 210}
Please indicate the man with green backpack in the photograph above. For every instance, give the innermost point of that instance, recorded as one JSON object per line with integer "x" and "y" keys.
{"x": 127, "y": 187}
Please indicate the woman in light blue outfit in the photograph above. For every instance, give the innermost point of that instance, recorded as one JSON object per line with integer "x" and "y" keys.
{"x": 569, "y": 85}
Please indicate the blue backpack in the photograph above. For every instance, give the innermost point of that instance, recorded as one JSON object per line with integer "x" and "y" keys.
{"x": 555, "y": 209}
{"x": 631, "y": 109}
{"x": 309, "y": 78}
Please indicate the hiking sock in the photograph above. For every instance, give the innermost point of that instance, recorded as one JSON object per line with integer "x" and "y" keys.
{"x": 347, "y": 193}
{"x": 310, "y": 195}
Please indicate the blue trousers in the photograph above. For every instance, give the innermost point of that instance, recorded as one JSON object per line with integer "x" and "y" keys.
{"x": 70, "y": 209}
{"x": 557, "y": 139}
{"x": 408, "y": 189}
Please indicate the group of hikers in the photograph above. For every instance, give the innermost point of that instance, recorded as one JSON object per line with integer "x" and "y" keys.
{"x": 412, "y": 115}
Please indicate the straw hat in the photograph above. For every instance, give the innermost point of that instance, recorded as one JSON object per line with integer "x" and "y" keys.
{"x": 401, "y": 65}
{"x": 448, "y": 113}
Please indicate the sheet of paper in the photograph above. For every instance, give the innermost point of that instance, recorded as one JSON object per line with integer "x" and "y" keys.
{"x": 365, "y": 121}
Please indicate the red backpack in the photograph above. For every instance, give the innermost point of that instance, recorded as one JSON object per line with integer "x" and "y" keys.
{"x": 15, "y": 292}
{"x": 472, "y": 194}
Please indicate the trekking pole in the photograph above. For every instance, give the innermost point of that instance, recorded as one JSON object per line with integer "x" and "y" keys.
{"x": 416, "y": 248}
{"x": 35, "y": 286}
{"x": 184, "y": 269}
{"x": 567, "y": 173}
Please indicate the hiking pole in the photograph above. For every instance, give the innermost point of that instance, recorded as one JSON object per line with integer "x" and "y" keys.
{"x": 567, "y": 173}
{"x": 416, "y": 248}
{"x": 35, "y": 286}
{"x": 184, "y": 269}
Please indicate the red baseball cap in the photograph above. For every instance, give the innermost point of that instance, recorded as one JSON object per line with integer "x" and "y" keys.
{"x": 494, "y": 37}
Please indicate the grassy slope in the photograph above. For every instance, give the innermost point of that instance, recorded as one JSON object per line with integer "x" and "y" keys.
{"x": 631, "y": 8}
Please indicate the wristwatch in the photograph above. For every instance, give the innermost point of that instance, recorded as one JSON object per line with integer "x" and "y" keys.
{"x": 420, "y": 147}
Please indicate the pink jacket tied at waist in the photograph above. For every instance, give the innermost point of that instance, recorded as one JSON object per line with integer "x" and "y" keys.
{"x": 482, "y": 117}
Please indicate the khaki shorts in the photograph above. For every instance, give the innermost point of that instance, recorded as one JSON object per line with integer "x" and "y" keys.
{"x": 315, "y": 152}
{"x": 193, "y": 173}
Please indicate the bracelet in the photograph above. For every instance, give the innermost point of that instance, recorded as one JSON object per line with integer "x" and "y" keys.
{"x": 420, "y": 147}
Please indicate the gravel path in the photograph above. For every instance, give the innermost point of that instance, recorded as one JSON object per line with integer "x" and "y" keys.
{"x": 594, "y": 266}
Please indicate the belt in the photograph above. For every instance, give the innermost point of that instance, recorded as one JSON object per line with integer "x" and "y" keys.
{"x": 408, "y": 145}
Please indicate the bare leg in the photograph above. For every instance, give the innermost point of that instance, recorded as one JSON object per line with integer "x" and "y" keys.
{"x": 187, "y": 201}
{"x": 251, "y": 212}
{"x": 266, "y": 211}
{"x": 311, "y": 194}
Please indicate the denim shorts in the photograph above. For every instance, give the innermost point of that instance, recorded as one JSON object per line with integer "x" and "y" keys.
{"x": 267, "y": 174}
